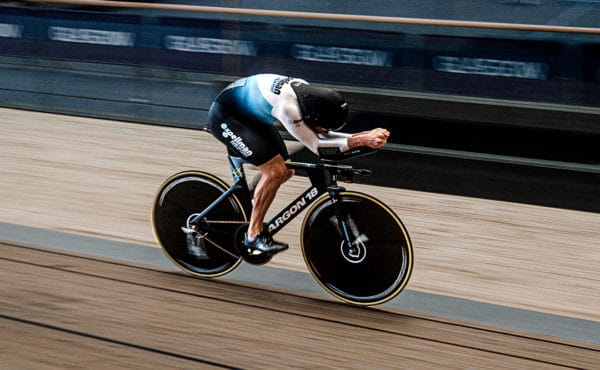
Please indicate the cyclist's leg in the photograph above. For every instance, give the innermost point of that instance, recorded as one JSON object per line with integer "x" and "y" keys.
{"x": 262, "y": 146}
{"x": 282, "y": 149}
{"x": 256, "y": 142}
{"x": 274, "y": 173}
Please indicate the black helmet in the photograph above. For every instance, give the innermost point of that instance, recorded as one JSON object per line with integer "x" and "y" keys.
{"x": 321, "y": 106}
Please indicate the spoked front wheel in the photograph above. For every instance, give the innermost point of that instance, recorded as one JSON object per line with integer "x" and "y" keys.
{"x": 378, "y": 263}
{"x": 209, "y": 248}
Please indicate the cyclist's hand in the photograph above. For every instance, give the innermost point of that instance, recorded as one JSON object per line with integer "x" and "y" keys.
{"x": 382, "y": 131}
{"x": 376, "y": 138}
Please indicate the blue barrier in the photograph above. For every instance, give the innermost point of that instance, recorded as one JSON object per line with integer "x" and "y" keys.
{"x": 515, "y": 69}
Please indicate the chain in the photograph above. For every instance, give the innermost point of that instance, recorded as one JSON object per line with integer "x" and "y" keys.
{"x": 226, "y": 222}
{"x": 221, "y": 248}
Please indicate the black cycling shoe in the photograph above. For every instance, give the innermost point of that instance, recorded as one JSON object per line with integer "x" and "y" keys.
{"x": 263, "y": 243}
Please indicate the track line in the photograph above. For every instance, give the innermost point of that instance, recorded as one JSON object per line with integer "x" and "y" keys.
{"x": 262, "y": 307}
{"x": 116, "y": 341}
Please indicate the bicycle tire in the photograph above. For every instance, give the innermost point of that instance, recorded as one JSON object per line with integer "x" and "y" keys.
{"x": 188, "y": 193}
{"x": 382, "y": 264}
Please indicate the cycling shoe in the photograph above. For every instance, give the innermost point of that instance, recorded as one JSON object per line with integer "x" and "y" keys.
{"x": 263, "y": 243}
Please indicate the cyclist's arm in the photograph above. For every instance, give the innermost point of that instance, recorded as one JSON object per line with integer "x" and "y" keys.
{"x": 358, "y": 144}
{"x": 290, "y": 117}
{"x": 374, "y": 139}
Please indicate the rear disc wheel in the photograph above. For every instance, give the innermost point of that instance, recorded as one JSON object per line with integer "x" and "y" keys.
{"x": 179, "y": 199}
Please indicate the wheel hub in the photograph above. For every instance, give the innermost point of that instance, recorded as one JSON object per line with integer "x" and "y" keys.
{"x": 355, "y": 252}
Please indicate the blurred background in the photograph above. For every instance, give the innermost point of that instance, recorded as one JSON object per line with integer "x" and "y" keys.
{"x": 495, "y": 98}
{"x": 493, "y": 165}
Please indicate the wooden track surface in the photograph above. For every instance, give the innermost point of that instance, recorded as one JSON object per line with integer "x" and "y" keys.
{"x": 64, "y": 310}
{"x": 98, "y": 178}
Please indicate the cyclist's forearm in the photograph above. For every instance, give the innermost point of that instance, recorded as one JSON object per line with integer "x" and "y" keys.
{"x": 358, "y": 140}
{"x": 343, "y": 141}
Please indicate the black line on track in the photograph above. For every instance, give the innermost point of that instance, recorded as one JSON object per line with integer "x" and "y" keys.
{"x": 314, "y": 317}
{"x": 115, "y": 341}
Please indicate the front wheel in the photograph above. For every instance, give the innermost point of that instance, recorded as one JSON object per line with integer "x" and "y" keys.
{"x": 378, "y": 263}
{"x": 207, "y": 249}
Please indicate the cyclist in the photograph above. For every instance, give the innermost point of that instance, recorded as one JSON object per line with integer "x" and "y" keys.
{"x": 243, "y": 118}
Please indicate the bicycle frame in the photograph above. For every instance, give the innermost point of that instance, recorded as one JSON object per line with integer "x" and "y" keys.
{"x": 353, "y": 244}
{"x": 323, "y": 178}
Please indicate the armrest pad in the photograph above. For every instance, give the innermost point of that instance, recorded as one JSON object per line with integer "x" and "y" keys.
{"x": 334, "y": 154}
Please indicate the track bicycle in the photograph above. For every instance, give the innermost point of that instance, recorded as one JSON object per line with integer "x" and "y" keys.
{"x": 354, "y": 245}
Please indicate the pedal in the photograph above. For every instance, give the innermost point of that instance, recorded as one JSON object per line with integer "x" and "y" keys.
{"x": 195, "y": 243}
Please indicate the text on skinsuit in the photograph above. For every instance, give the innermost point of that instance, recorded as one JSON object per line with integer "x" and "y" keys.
{"x": 236, "y": 141}
{"x": 278, "y": 84}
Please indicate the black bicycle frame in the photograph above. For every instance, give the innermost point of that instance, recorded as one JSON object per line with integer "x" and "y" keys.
{"x": 323, "y": 178}
{"x": 293, "y": 209}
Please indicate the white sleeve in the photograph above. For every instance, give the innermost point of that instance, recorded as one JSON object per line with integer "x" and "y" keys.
{"x": 290, "y": 116}
{"x": 334, "y": 141}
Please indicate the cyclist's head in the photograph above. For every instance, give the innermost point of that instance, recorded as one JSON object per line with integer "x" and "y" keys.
{"x": 321, "y": 107}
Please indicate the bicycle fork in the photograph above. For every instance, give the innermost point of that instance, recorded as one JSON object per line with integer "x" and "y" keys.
{"x": 353, "y": 244}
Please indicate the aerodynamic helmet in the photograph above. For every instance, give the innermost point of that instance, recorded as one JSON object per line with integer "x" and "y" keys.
{"x": 321, "y": 106}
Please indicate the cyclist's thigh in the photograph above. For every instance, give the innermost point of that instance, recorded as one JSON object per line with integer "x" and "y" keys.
{"x": 253, "y": 141}
{"x": 273, "y": 137}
